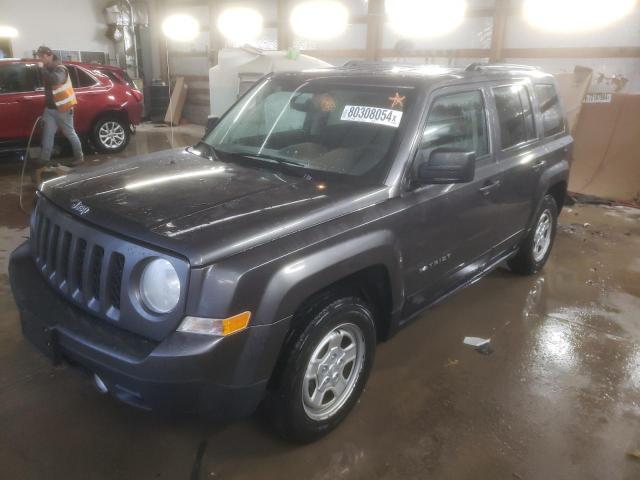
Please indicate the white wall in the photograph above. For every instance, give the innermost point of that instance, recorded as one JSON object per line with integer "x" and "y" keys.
{"x": 59, "y": 24}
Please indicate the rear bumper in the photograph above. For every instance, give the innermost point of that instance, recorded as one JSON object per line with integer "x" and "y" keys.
{"x": 190, "y": 373}
{"x": 134, "y": 110}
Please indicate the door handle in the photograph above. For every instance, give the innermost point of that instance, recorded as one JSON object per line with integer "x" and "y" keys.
{"x": 490, "y": 186}
{"x": 537, "y": 166}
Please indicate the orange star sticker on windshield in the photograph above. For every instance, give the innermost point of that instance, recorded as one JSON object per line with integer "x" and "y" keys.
{"x": 397, "y": 100}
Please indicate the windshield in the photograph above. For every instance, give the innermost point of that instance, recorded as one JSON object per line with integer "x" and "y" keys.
{"x": 316, "y": 125}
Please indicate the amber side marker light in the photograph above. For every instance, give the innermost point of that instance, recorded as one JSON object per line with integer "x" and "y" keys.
{"x": 214, "y": 326}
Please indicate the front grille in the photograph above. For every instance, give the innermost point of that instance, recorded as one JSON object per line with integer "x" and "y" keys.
{"x": 115, "y": 278}
{"x": 86, "y": 271}
{"x": 98, "y": 271}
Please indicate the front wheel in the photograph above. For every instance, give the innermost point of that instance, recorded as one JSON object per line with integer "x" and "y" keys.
{"x": 324, "y": 371}
{"x": 536, "y": 247}
{"x": 110, "y": 134}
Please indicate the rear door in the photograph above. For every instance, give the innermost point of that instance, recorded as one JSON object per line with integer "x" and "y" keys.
{"x": 447, "y": 229}
{"x": 552, "y": 125}
{"x": 520, "y": 157}
{"x": 90, "y": 95}
{"x": 21, "y": 99}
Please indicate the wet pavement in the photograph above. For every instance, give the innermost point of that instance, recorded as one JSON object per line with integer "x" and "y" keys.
{"x": 559, "y": 397}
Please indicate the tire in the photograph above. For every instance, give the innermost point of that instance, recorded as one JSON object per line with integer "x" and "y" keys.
{"x": 110, "y": 134}
{"x": 343, "y": 328}
{"x": 535, "y": 249}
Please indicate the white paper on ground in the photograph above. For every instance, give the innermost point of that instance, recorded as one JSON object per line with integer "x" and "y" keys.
{"x": 476, "y": 341}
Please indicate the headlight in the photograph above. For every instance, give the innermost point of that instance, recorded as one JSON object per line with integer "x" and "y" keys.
{"x": 160, "y": 286}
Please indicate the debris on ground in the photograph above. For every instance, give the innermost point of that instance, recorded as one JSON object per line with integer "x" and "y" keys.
{"x": 634, "y": 454}
{"x": 451, "y": 362}
{"x": 476, "y": 341}
{"x": 483, "y": 345}
{"x": 579, "y": 198}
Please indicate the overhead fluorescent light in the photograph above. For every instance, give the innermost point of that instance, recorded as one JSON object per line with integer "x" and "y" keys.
{"x": 570, "y": 16}
{"x": 319, "y": 19}
{"x": 424, "y": 18}
{"x": 240, "y": 24}
{"x": 181, "y": 27}
{"x": 8, "y": 32}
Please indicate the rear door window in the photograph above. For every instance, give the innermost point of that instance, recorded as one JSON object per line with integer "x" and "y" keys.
{"x": 16, "y": 78}
{"x": 457, "y": 121}
{"x": 552, "y": 116}
{"x": 84, "y": 79}
{"x": 515, "y": 115}
{"x": 79, "y": 78}
{"x": 73, "y": 73}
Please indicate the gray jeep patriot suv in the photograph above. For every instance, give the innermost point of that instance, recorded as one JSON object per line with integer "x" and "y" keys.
{"x": 320, "y": 214}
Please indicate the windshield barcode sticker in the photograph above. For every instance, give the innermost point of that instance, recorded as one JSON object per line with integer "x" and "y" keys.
{"x": 380, "y": 116}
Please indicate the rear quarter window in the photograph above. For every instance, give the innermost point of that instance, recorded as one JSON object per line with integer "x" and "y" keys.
{"x": 552, "y": 115}
{"x": 514, "y": 114}
{"x": 119, "y": 77}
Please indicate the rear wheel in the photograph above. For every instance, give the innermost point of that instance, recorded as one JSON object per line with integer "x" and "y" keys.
{"x": 324, "y": 371}
{"x": 536, "y": 247}
{"x": 110, "y": 134}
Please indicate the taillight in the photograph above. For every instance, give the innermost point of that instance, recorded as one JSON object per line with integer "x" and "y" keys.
{"x": 137, "y": 94}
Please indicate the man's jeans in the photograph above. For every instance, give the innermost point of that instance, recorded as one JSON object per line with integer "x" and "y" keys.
{"x": 53, "y": 119}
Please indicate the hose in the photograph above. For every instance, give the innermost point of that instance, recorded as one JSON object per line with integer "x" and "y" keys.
{"x": 26, "y": 160}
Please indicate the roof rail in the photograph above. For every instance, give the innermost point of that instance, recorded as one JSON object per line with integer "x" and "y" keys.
{"x": 477, "y": 66}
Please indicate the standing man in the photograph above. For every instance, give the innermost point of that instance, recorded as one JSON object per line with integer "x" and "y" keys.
{"x": 58, "y": 111}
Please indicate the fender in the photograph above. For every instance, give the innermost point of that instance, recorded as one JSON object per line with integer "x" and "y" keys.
{"x": 300, "y": 278}
{"x": 288, "y": 282}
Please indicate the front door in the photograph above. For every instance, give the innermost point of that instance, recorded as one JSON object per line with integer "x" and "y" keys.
{"x": 21, "y": 101}
{"x": 447, "y": 229}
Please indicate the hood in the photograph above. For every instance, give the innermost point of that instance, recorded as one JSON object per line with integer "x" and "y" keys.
{"x": 201, "y": 209}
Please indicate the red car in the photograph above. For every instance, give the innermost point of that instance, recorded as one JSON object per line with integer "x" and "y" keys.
{"x": 109, "y": 104}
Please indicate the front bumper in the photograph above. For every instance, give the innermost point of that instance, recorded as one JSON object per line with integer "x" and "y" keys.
{"x": 215, "y": 376}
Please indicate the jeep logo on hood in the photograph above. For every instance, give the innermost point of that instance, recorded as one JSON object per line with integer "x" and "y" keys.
{"x": 79, "y": 207}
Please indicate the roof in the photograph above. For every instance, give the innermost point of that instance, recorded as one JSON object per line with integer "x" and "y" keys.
{"x": 88, "y": 66}
{"x": 421, "y": 74}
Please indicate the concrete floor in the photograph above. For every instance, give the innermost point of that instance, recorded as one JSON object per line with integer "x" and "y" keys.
{"x": 559, "y": 397}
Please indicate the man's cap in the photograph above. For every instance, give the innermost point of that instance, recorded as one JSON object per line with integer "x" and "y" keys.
{"x": 43, "y": 50}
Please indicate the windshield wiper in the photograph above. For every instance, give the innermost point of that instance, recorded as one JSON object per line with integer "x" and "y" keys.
{"x": 271, "y": 158}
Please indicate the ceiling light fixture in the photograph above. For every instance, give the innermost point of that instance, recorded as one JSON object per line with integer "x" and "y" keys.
{"x": 424, "y": 18}
{"x": 181, "y": 27}
{"x": 8, "y": 32}
{"x": 570, "y": 16}
{"x": 240, "y": 24}
{"x": 319, "y": 19}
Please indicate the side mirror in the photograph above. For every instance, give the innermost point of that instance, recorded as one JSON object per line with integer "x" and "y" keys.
{"x": 446, "y": 166}
{"x": 211, "y": 123}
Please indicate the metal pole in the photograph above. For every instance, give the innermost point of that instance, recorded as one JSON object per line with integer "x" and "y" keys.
{"x": 135, "y": 42}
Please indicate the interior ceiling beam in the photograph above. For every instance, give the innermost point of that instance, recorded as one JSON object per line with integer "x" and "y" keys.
{"x": 573, "y": 52}
{"x": 364, "y": 19}
{"x": 498, "y": 30}
{"x": 216, "y": 40}
{"x": 285, "y": 35}
{"x": 375, "y": 26}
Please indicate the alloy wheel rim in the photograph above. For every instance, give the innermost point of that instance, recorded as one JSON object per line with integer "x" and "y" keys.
{"x": 333, "y": 371}
{"x": 111, "y": 134}
{"x": 542, "y": 236}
